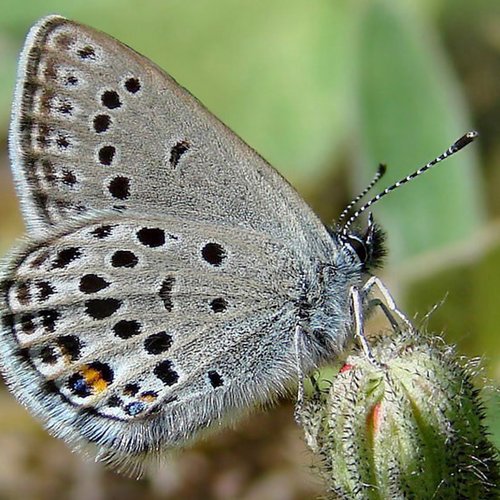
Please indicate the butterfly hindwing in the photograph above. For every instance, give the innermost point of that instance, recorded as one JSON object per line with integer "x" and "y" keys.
{"x": 134, "y": 319}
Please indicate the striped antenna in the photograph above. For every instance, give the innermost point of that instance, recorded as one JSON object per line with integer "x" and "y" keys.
{"x": 456, "y": 146}
{"x": 380, "y": 173}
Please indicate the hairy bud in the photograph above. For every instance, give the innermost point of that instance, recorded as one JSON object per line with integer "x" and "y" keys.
{"x": 410, "y": 427}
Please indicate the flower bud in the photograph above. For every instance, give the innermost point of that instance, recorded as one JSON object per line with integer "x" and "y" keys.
{"x": 409, "y": 427}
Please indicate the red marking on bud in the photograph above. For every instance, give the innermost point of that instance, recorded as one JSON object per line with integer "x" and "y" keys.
{"x": 346, "y": 368}
{"x": 374, "y": 418}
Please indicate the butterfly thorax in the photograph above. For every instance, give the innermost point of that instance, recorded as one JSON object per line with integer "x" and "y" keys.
{"x": 323, "y": 310}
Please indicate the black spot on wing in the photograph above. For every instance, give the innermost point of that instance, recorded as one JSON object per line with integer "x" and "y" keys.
{"x": 218, "y": 305}
{"x": 119, "y": 187}
{"x": 124, "y": 258}
{"x": 92, "y": 283}
{"x": 102, "y": 232}
{"x": 133, "y": 85}
{"x": 213, "y": 253}
{"x": 151, "y": 237}
{"x": 87, "y": 52}
{"x": 126, "y": 329}
{"x": 215, "y": 379}
{"x": 158, "y": 343}
{"x": 166, "y": 373}
{"x": 101, "y": 123}
{"x": 106, "y": 155}
{"x": 102, "y": 308}
{"x": 177, "y": 151}
{"x": 65, "y": 257}
{"x": 111, "y": 99}
{"x": 166, "y": 292}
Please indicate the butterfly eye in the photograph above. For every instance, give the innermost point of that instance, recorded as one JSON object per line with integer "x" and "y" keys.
{"x": 359, "y": 247}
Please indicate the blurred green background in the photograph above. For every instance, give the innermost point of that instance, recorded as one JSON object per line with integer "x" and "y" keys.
{"x": 325, "y": 90}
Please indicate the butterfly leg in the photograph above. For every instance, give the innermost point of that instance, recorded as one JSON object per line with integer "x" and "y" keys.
{"x": 357, "y": 311}
{"x": 297, "y": 340}
{"x": 388, "y": 305}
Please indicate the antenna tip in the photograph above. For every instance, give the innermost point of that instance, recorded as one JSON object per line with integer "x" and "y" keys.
{"x": 382, "y": 168}
{"x": 465, "y": 140}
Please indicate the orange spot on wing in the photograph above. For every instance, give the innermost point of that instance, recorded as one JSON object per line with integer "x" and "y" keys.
{"x": 94, "y": 379}
{"x": 147, "y": 398}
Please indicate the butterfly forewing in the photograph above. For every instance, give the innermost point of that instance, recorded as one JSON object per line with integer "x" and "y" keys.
{"x": 97, "y": 126}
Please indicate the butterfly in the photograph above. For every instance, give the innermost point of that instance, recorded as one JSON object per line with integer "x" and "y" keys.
{"x": 170, "y": 279}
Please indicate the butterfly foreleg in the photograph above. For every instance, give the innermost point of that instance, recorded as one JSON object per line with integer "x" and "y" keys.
{"x": 387, "y": 303}
{"x": 356, "y": 297}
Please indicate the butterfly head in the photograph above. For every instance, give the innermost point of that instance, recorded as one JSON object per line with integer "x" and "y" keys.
{"x": 364, "y": 246}
{"x": 367, "y": 246}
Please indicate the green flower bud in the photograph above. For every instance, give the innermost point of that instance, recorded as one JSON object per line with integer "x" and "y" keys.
{"x": 410, "y": 427}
